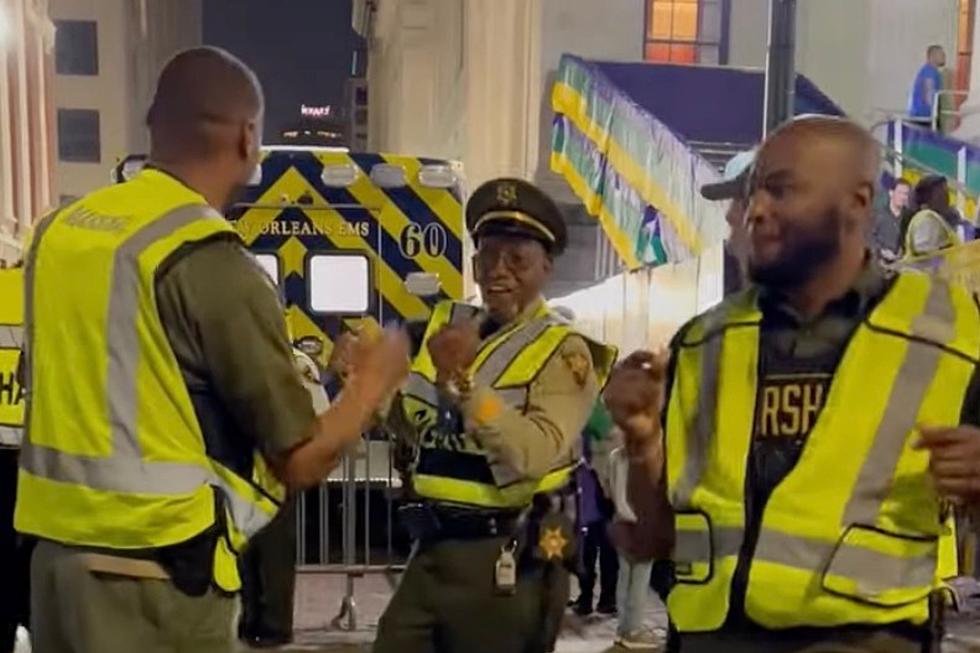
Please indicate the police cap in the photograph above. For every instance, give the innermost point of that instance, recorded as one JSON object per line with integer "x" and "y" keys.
{"x": 516, "y": 208}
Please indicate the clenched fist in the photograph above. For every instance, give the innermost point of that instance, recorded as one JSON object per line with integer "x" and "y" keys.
{"x": 453, "y": 350}
{"x": 379, "y": 364}
{"x": 635, "y": 395}
{"x": 954, "y": 461}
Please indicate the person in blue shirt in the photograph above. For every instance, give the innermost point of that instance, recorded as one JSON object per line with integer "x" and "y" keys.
{"x": 928, "y": 81}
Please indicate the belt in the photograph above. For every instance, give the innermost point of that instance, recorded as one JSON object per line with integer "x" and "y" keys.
{"x": 462, "y": 525}
{"x": 432, "y": 522}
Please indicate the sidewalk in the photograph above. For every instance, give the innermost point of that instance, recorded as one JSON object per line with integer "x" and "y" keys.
{"x": 318, "y": 601}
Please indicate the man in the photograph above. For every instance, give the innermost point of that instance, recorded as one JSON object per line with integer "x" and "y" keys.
{"x": 146, "y": 469}
{"x": 268, "y": 565}
{"x": 812, "y": 442}
{"x": 933, "y": 224}
{"x": 494, "y": 406}
{"x": 732, "y": 188}
{"x": 14, "y": 551}
{"x": 887, "y": 232}
{"x": 928, "y": 82}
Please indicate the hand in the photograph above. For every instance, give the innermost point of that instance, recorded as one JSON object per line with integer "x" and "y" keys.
{"x": 634, "y": 397}
{"x": 453, "y": 350}
{"x": 379, "y": 365}
{"x": 954, "y": 460}
{"x": 340, "y": 357}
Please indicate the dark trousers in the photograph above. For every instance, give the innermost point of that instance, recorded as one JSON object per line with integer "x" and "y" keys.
{"x": 268, "y": 569}
{"x": 15, "y": 554}
{"x": 447, "y": 602}
{"x": 597, "y": 547}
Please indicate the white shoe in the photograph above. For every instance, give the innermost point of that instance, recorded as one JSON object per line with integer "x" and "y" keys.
{"x": 642, "y": 640}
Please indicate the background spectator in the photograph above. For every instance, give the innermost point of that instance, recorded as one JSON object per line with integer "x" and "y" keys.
{"x": 595, "y": 511}
{"x": 634, "y": 573}
{"x": 928, "y": 81}
{"x": 931, "y": 223}
{"x": 887, "y": 232}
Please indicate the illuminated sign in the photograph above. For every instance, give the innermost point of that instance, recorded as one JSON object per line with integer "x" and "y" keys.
{"x": 315, "y": 112}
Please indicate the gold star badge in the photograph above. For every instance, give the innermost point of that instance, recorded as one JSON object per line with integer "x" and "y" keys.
{"x": 552, "y": 543}
{"x": 507, "y": 194}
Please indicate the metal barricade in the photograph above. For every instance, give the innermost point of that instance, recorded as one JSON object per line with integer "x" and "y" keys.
{"x": 339, "y": 522}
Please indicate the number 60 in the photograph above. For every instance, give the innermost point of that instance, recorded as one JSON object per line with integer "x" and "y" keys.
{"x": 415, "y": 239}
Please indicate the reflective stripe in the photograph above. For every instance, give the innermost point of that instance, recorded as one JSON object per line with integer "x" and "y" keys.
{"x": 914, "y": 377}
{"x": 702, "y": 427}
{"x": 421, "y": 389}
{"x": 247, "y": 516}
{"x": 11, "y": 336}
{"x": 872, "y": 568}
{"x": 124, "y": 470}
{"x": 498, "y": 361}
{"x": 693, "y": 546}
{"x": 10, "y": 436}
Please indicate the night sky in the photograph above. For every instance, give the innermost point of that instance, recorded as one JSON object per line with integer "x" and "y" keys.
{"x": 300, "y": 49}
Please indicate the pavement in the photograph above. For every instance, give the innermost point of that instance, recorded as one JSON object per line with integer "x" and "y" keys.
{"x": 319, "y": 600}
{"x": 318, "y": 629}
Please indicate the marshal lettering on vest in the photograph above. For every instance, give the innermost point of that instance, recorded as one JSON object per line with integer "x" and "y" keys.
{"x": 789, "y": 404}
{"x": 87, "y": 219}
{"x": 11, "y": 392}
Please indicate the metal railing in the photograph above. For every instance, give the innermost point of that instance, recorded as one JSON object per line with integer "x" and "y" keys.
{"x": 328, "y": 518}
{"x": 901, "y": 160}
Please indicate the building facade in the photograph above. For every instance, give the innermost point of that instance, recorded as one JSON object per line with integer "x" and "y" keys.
{"x": 108, "y": 55}
{"x": 26, "y": 120}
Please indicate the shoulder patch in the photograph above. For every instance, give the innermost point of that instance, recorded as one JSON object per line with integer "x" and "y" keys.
{"x": 579, "y": 364}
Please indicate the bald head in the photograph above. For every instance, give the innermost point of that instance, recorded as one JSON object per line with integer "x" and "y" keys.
{"x": 838, "y": 138}
{"x": 203, "y": 98}
{"x": 812, "y": 198}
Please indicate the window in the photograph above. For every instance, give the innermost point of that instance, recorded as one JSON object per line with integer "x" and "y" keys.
{"x": 339, "y": 283}
{"x": 78, "y": 136}
{"x": 269, "y": 263}
{"x": 687, "y": 31}
{"x": 76, "y": 47}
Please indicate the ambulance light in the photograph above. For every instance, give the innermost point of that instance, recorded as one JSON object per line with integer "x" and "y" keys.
{"x": 438, "y": 176}
{"x": 423, "y": 284}
{"x": 339, "y": 176}
{"x": 387, "y": 175}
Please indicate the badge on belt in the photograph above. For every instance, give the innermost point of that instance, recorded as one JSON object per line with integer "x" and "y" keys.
{"x": 556, "y": 539}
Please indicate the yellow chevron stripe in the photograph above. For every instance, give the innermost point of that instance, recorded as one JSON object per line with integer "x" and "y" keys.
{"x": 439, "y": 201}
{"x": 393, "y": 220}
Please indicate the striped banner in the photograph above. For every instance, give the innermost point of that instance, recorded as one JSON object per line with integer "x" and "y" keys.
{"x": 632, "y": 172}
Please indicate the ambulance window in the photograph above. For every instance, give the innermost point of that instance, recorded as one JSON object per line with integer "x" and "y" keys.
{"x": 339, "y": 283}
{"x": 270, "y": 263}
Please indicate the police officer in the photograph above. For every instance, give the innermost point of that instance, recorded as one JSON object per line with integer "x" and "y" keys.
{"x": 166, "y": 445}
{"x": 14, "y": 551}
{"x": 817, "y": 425}
{"x": 268, "y": 565}
{"x": 494, "y": 406}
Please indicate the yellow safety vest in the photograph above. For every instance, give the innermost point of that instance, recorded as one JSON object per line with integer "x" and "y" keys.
{"x": 453, "y": 467}
{"x": 11, "y": 340}
{"x": 950, "y": 237}
{"x": 856, "y": 533}
{"x": 114, "y": 456}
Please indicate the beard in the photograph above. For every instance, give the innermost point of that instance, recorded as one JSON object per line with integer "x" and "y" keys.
{"x": 804, "y": 252}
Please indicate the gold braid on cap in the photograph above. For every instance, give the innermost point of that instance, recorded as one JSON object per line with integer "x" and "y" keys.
{"x": 516, "y": 216}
